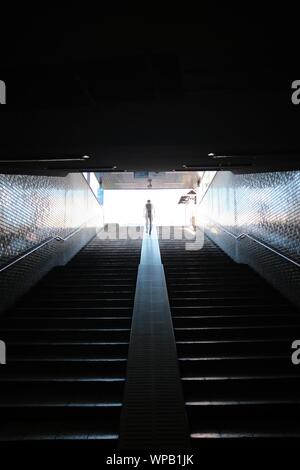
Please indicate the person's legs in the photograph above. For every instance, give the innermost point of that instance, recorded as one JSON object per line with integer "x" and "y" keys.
{"x": 150, "y": 220}
{"x": 146, "y": 223}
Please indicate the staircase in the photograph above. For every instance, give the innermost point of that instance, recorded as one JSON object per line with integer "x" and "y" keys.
{"x": 233, "y": 333}
{"x": 67, "y": 343}
{"x": 67, "y": 347}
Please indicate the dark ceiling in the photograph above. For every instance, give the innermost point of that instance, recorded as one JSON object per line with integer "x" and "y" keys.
{"x": 150, "y": 93}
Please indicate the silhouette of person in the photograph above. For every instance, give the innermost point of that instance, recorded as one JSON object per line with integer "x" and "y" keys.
{"x": 149, "y": 214}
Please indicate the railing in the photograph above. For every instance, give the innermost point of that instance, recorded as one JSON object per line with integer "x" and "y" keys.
{"x": 208, "y": 186}
{"x": 46, "y": 242}
{"x": 246, "y": 235}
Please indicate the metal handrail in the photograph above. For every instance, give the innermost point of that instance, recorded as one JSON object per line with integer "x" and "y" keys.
{"x": 40, "y": 245}
{"x": 246, "y": 235}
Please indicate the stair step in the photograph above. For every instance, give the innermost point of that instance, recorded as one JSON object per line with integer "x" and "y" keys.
{"x": 241, "y": 387}
{"x": 232, "y": 309}
{"x": 194, "y": 348}
{"x": 223, "y": 301}
{"x": 67, "y": 349}
{"x": 236, "y": 365}
{"x": 74, "y": 311}
{"x": 253, "y": 414}
{"x": 237, "y": 332}
{"x": 44, "y": 323}
{"x": 235, "y": 320}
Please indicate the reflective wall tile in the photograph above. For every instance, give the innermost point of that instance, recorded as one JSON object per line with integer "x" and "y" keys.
{"x": 35, "y": 208}
{"x": 266, "y": 206}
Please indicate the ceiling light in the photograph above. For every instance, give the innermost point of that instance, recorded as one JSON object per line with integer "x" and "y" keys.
{"x": 43, "y": 160}
{"x": 222, "y": 156}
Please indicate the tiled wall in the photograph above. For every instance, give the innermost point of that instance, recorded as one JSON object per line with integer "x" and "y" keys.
{"x": 266, "y": 206}
{"x": 34, "y": 209}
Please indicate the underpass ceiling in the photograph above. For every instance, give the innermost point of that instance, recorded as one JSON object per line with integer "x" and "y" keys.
{"x": 141, "y": 94}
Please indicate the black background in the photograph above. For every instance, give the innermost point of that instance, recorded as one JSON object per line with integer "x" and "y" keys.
{"x": 150, "y": 90}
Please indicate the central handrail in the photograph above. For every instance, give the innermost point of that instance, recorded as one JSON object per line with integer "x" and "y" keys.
{"x": 247, "y": 235}
{"x": 40, "y": 245}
